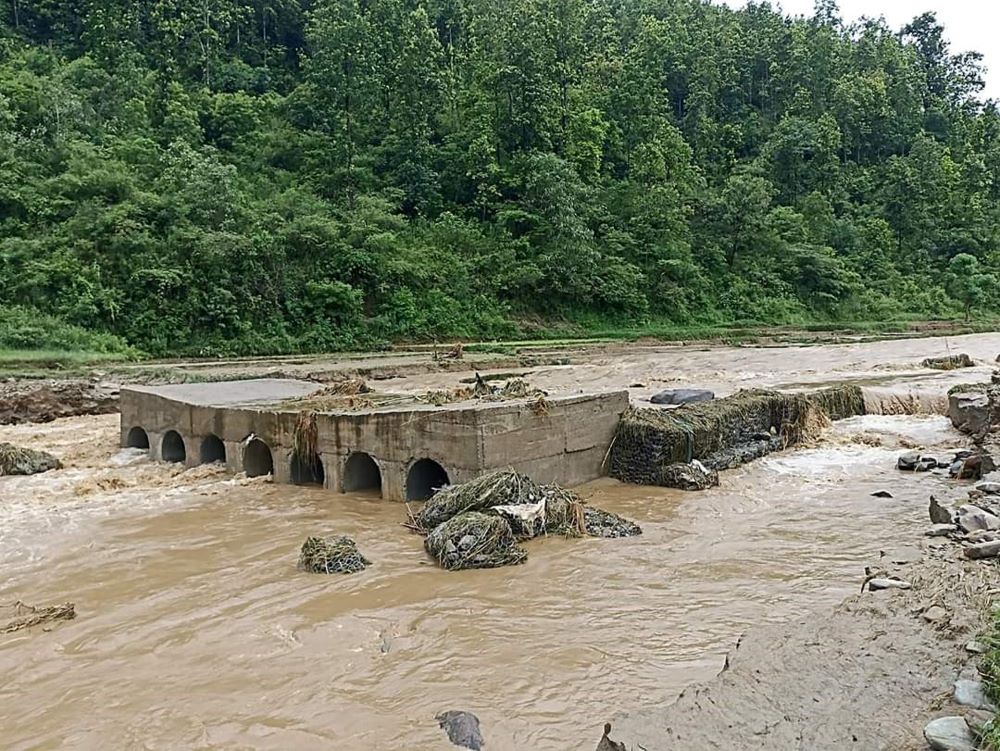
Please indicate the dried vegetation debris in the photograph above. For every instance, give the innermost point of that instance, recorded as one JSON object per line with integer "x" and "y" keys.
{"x": 27, "y": 616}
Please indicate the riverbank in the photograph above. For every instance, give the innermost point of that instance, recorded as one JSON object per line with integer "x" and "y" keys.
{"x": 870, "y": 674}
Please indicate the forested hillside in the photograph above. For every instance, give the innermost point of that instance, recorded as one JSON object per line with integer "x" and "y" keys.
{"x": 237, "y": 176}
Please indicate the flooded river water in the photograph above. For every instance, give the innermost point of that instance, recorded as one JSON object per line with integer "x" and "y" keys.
{"x": 196, "y": 631}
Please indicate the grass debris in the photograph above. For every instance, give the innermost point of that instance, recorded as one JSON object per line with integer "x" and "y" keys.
{"x": 331, "y": 555}
{"x": 28, "y": 616}
{"x": 474, "y": 540}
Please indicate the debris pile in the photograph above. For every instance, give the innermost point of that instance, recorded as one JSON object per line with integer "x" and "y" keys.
{"x": 723, "y": 433}
{"x": 15, "y": 460}
{"x": 479, "y": 523}
{"x": 951, "y": 362}
{"x": 331, "y": 555}
{"x": 474, "y": 540}
{"x": 691, "y": 476}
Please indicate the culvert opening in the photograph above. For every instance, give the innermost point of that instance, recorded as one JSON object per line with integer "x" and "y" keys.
{"x": 362, "y": 473}
{"x": 307, "y": 470}
{"x": 213, "y": 450}
{"x": 137, "y": 439}
{"x": 173, "y": 447}
{"x": 425, "y": 477}
{"x": 257, "y": 459}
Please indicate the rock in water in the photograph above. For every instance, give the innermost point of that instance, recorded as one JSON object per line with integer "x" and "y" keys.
{"x": 908, "y": 461}
{"x": 606, "y": 744}
{"x": 882, "y": 494}
{"x": 973, "y": 519}
{"x": 950, "y": 734}
{"x": 691, "y": 476}
{"x": 462, "y": 729}
{"x": 939, "y": 514}
{"x": 972, "y": 694}
{"x": 874, "y": 585}
{"x": 969, "y": 412}
{"x": 21, "y": 461}
{"x": 682, "y": 396}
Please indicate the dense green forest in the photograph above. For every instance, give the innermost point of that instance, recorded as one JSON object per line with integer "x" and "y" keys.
{"x": 248, "y": 176}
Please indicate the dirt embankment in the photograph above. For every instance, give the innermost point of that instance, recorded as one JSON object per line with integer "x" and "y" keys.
{"x": 44, "y": 400}
{"x": 870, "y": 675}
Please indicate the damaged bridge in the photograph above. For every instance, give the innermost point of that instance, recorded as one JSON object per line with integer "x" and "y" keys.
{"x": 401, "y": 450}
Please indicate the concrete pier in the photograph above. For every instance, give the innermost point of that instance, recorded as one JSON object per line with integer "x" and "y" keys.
{"x": 404, "y": 450}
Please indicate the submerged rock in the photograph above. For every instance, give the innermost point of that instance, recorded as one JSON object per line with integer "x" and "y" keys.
{"x": 462, "y": 729}
{"x": 682, "y": 396}
{"x": 20, "y": 461}
{"x": 972, "y": 694}
{"x": 691, "y": 476}
{"x": 950, "y": 734}
{"x": 882, "y": 494}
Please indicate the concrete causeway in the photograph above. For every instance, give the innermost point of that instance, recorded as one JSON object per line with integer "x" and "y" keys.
{"x": 404, "y": 449}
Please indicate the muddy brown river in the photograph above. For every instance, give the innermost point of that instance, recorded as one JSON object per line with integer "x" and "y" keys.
{"x": 196, "y": 631}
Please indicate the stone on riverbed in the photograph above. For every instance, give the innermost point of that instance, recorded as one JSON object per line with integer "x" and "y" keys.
{"x": 20, "y": 461}
{"x": 875, "y": 585}
{"x": 969, "y": 411}
{"x": 941, "y": 530}
{"x": 462, "y": 729}
{"x": 691, "y": 476}
{"x": 912, "y": 461}
{"x": 983, "y": 550}
{"x": 682, "y": 396}
{"x": 950, "y": 734}
{"x": 972, "y": 694}
{"x": 606, "y": 744}
{"x": 939, "y": 514}
{"x": 972, "y": 518}
{"x": 989, "y": 488}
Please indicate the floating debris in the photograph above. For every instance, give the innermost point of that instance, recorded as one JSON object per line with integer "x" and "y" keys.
{"x": 331, "y": 555}
{"x": 29, "y": 615}
{"x": 15, "y": 460}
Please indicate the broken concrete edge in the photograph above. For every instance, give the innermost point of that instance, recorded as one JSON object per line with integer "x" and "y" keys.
{"x": 404, "y": 451}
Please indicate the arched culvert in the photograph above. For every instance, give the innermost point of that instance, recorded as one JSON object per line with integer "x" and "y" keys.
{"x": 257, "y": 459}
{"x": 137, "y": 439}
{"x": 307, "y": 470}
{"x": 213, "y": 450}
{"x": 361, "y": 473}
{"x": 424, "y": 478}
{"x": 172, "y": 449}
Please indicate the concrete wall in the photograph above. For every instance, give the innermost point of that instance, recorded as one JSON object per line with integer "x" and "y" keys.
{"x": 565, "y": 443}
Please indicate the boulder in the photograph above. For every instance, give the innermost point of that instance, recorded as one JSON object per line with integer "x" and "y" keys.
{"x": 691, "y": 476}
{"x": 462, "y": 729}
{"x": 908, "y": 461}
{"x": 673, "y": 397}
{"x": 982, "y": 535}
{"x": 972, "y": 467}
{"x": 21, "y": 461}
{"x": 973, "y": 518}
{"x": 983, "y": 550}
{"x": 969, "y": 412}
{"x": 939, "y": 514}
{"x": 950, "y": 734}
{"x": 972, "y": 694}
